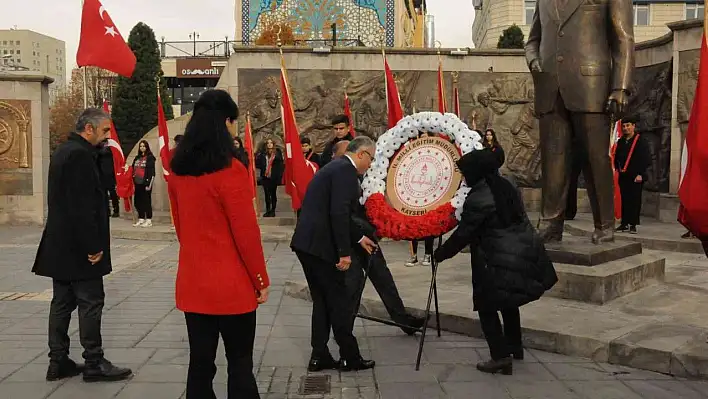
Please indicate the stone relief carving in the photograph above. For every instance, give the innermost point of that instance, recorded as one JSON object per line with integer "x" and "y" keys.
{"x": 651, "y": 103}
{"x": 687, "y": 78}
{"x": 502, "y": 101}
{"x": 15, "y": 133}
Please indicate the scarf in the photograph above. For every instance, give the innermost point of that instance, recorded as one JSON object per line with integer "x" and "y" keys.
{"x": 271, "y": 159}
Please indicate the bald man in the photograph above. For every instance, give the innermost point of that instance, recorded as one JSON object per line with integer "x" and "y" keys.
{"x": 339, "y": 148}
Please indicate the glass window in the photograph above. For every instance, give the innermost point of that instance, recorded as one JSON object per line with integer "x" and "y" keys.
{"x": 18, "y": 51}
{"x": 529, "y": 8}
{"x": 641, "y": 14}
{"x": 17, "y": 42}
{"x": 694, "y": 11}
{"x": 4, "y": 42}
{"x": 12, "y": 51}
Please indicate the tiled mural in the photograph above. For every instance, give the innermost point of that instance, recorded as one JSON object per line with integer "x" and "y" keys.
{"x": 372, "y": 21}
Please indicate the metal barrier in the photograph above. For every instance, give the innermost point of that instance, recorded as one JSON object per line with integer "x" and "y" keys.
{"x": 202, "y": 48}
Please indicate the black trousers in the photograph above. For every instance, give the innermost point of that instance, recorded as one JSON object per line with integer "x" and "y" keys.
{"x": 429, "y": 243}
{"x": 270, "y": 189}
{"x": 501, "y": 341}
{"x": 571, "y": 207}
{"x": 143, "y": 201}
{"x": 238, "y": 332}
{"x": 88, "y": 296}
{"x": 332, "y": 308}
{"x": 381, "y": 278}
{"x": 114, "y": 203}
{"x": 631, "y": 193}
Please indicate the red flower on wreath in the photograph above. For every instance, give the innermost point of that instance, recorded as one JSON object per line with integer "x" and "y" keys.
{"x": 393, "y": 224}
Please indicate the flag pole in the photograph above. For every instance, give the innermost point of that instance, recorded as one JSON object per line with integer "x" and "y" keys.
{"x": 84, "y": 71}
{"x": 251, "y": 167}
{"x": 159, "y": 103}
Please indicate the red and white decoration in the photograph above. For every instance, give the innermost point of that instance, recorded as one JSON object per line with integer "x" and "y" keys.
{"x": 388, "y": 221}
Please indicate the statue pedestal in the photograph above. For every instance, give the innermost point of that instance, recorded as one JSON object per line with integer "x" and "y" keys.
{"x": 600, "y": 273}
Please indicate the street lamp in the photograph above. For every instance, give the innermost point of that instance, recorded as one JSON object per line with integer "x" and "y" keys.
{"x": 194, "y": 36}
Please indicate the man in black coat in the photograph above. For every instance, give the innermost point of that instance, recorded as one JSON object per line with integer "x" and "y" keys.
{"x": 75, "y": 250}
{"x": 108, "y": 178}
{"x": 323, "y": 243}
{"x": 340, "y": 125}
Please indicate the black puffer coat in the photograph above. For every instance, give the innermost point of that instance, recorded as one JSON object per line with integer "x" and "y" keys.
{"x": 510, "y": 267}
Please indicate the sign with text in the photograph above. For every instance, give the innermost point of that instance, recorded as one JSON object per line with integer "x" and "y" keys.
{"x": 423, "y": 176}
{"x": 199, "y": 68}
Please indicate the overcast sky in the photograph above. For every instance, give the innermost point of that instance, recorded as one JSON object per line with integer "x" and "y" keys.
{"x": 176, "y": 19}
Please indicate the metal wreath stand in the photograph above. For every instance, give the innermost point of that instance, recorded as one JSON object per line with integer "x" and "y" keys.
{"x": 432, "y": 294}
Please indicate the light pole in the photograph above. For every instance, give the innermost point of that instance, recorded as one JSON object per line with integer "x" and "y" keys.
{"x": 194, "y": 36}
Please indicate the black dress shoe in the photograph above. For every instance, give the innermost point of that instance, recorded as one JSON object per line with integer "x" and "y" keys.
{"x": 518, "y": 354}
{"x": 316, "y": 365}
{"x": 503, "y": 366}
{"x": 356, "y": 365}
{"x": 106, "y": 371}
{"x": 63, "y": 369}
{"x": 115, "y": 215}
{"x": 414, "y": 324}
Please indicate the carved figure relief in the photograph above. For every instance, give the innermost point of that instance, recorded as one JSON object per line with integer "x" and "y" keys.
{"x": 651, "y": 103}
{"x": 15, "y": 134}
{"x": 504, "y": 101}
{"x": 687, "y": 78}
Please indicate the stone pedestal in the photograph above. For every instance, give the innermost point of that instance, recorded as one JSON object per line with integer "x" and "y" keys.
{"x": 601, "y": 273}
{"x": 24, "y": 147}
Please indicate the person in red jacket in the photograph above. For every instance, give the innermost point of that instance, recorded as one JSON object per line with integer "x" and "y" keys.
{"x": 222, "y": 277}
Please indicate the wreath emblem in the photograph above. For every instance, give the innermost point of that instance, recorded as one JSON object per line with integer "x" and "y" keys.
{"x": 389, "y": 220}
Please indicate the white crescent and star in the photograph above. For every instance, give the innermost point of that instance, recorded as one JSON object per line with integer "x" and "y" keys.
{"x": 110, "y": 30}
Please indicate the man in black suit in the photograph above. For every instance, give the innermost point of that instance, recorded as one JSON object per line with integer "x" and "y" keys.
{"x": 379, "y": 273}
{"x": 323, "y": 244}
{"x": 75, "y": 250}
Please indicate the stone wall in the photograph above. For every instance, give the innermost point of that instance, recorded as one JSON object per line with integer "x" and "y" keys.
{"x": 24, "y": 147}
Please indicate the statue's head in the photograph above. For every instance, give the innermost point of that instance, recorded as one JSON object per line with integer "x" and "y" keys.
{"x": 484, "y": 98}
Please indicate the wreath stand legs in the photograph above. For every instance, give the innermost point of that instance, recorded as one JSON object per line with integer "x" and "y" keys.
{"x": 432, "y": 292}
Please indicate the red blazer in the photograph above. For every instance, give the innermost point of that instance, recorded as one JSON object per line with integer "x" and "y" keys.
{"x": 221, "y": 263}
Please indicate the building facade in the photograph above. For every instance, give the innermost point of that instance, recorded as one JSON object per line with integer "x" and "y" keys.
{"x": 188, "y": 77}
{"x": 372, "y": 23}
{"x": 29, "y": 50}
{"x": 650, "y": 17}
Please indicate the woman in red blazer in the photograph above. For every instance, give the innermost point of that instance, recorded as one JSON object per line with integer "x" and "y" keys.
{"x": 222, "y": 274}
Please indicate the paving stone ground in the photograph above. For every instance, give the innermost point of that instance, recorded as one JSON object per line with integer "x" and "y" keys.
{"x": 142, "y": 329}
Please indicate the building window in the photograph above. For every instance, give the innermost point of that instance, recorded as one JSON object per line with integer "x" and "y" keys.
{"x": 17, "y": 42}
{"x": 641, "y": 14}
{"x": 18, "y": 51}
{"x": 529, "y": 8}
{"x": 12, "y": 51}
{"x": 694, "y": 11}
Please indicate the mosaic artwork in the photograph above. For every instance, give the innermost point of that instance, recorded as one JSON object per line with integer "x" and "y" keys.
{"x": 371, "y": 21}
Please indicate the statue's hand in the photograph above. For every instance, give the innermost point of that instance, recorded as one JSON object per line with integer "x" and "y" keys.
{"x": 535, "y": 66}
{"x": 617, "y": 103}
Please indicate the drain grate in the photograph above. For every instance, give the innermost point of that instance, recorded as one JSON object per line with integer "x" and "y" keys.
{"x": 315, "y": 384}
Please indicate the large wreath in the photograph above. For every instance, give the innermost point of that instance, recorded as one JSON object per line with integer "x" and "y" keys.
{"x": 388, "y": 221}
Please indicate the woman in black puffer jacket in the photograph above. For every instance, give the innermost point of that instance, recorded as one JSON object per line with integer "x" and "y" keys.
{"x": 510, "y": 267}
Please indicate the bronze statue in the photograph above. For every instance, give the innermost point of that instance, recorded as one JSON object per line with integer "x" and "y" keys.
{"x": 581, "y": 55}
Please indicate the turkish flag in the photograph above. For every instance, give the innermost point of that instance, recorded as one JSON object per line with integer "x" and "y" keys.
{"x": 348, "y": 113}
{"x": 164, "y": 138}
{"x": 442, "y": 103}
{"x": 393, "y": 99}
{"x": 124, "y": 177}
{"x": 693, "y": 189}
{"x": 297, "y": 173}
{"x": 248, "y": 146}
{"x": 101, "y": 44}
{"x": 614, "y": 138}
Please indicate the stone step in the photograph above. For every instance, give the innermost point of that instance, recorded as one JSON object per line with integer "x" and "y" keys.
{"x": 600, "y": 335}
{"x": 582, "y": 252}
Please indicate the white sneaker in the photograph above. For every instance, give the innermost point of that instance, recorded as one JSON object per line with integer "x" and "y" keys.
{"x": 412, "y": 262}
{"x": 426, "y": 260}
{"x": 148, "y": 223}
{"x": 139, "y": 223}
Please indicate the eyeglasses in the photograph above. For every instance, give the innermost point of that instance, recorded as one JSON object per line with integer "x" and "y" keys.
{"x": 369, "y": 154}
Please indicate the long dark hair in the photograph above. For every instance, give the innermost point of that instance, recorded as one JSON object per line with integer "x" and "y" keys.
{"x": 241, "y": 154}
{"x": 495, "y": 142}
{"x": 483, "y": 165}
{"x": 207, "y": 145}
{"x": 148, "y": 151}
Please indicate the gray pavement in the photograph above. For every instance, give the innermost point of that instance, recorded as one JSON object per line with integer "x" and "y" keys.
{"x": 143, "y": 330}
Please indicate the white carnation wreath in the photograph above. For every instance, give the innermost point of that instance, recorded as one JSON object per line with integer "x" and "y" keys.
{"x": 409, "y": 127}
